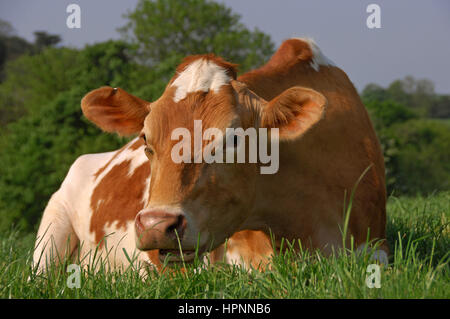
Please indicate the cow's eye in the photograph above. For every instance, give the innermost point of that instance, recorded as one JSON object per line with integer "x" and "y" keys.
{"x": 149, "y": 151}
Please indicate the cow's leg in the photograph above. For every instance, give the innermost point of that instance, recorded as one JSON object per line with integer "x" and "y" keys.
{"x": 56, "y": 238}
{"x": 329, "y": 240}
{"x": 249, "y": 249}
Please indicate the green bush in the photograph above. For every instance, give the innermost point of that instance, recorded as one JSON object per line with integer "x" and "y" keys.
{"x": 416, "y": 149}
{"x": 32, "y": 80}
{"x": 38, "y": 148}
{"x": 37, "y": 153}
{"x": 417, "y": 95}
{"x": 419, "y": 156}
{"x": 386, "y": 113}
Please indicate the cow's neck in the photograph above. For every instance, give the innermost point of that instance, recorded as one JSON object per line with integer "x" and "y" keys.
{"x": 277, "y": 204}
{"x": 277, "y": 207}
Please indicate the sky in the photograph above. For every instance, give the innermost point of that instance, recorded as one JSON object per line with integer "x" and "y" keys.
{"x": 414, "y": 38}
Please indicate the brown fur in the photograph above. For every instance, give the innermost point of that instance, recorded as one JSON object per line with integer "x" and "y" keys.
{"x": 118, "y": 197}
{"x": 117, "y": 153}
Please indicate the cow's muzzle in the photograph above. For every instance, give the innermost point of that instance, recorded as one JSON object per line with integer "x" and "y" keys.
{"x": 156, "y": 229}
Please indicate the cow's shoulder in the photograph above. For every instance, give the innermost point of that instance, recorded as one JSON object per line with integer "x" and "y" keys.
{"x": 80, "y": 175}
{"x": 92, "y": 167}
{"x": 88, "y": 170}
{"x": 120, "y": 189}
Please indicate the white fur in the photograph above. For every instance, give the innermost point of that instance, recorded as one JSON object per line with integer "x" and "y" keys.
{"x": 234, "y": 258}
{"x": 200, "y": 75}
{"x": 318, "y": 57}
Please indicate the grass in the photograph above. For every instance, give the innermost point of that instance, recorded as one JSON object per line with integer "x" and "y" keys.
{"x": 418, "y": 233}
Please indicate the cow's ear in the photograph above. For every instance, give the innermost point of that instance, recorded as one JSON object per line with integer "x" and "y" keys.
{"x": 114, "y": 110}
{"x": 294, "y": 112}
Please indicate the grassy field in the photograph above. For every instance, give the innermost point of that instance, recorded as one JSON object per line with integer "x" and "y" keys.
{"x": 418, "y": 233}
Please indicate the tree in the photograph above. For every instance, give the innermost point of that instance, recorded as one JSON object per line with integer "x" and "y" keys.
{"x": 386, "y": 113}
{"x": 6, "y": 29}
{"x": 161, "y": 29}
{"x": 418, "y": 95}
{"x": 415, "y": 149}
{"x": 11, "y": 46}
{"x": 415, "y": 94}
{"x": 33, "y": 80}
{"x": 440, "y": 107}
{"x": 373, "y": 92}
{"x": 44, "y": 40}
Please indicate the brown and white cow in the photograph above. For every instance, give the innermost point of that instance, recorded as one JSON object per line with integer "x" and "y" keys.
{"x": 326, "y": 142}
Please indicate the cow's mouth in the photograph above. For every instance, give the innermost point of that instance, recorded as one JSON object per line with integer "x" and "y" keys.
{"x": 174, "y": 255}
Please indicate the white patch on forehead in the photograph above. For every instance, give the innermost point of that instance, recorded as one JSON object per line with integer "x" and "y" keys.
{"x": 318, "y": 58}
{"x": 200, "y": 75}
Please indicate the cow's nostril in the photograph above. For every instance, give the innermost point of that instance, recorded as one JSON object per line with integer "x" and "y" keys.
{"x": 177, "y": 228}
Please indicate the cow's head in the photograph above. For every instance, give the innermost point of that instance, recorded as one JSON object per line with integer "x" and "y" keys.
{"x": 193, "y": 203}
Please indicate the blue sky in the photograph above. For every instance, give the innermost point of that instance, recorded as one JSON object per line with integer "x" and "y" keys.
{"x": 414, "y": 38}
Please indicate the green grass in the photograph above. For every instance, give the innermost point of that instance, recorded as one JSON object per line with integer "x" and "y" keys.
{"x": 418, "y": 233}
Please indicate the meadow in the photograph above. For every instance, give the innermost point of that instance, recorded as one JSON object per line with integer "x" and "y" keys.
{"x": 418, "y": 232}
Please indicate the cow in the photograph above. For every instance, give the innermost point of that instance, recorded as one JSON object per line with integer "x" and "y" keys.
{"x": 326, "y": 143}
